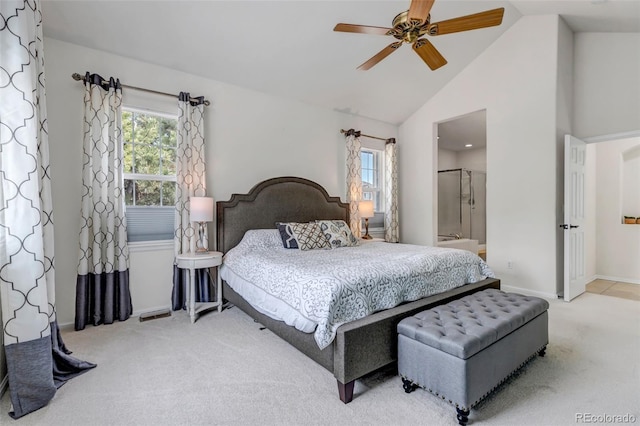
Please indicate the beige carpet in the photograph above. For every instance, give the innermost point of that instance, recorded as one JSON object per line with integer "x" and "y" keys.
{"x": 224, "y": 370}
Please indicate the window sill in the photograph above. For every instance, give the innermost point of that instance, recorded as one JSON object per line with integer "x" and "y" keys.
{"x": 145, "y": 246}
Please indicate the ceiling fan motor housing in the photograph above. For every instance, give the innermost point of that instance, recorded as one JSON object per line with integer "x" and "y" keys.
{"x": 408, "y": 30}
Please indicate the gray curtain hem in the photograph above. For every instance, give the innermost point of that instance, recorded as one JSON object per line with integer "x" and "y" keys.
{"x": 37, "y": 368}
{"x": 102, "y": 298}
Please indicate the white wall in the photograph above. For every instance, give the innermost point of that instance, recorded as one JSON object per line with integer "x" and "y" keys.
{"x": 447, "y": 159}
{"x": 607, "y": 83}
{"x": 618, "y": 247}
{"x": 473, "y": 159}
{"x": 250, "y": 137}
{"x": 470, "y": 159}
{"x": 606, "y": 99}
{"x": 515, "y": 81}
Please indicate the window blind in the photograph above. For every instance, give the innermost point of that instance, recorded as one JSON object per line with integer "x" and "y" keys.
{"x": 150, "y": 223}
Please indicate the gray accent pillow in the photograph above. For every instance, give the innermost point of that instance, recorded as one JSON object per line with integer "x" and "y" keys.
{"x": 286, "y": 233}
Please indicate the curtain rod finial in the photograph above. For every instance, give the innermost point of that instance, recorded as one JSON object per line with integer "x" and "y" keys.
{"x": 76, "y": 76}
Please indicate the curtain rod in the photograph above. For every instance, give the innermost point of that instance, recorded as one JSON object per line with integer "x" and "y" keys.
{"x": 79, "y": 77}
{"x": 359, "y": 133}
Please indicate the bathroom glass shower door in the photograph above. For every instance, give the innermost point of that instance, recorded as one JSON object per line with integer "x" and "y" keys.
{"x": 462, "y": 204}
{"x": 449, "y": 203}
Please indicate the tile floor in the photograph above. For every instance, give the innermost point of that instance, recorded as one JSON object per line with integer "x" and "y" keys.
{"x": 615, "y": 289}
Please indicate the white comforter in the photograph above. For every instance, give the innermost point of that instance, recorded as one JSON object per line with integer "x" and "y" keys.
{"x": 323, "y": 289}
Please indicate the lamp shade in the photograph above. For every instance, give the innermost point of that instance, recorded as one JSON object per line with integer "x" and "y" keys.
{"x": 201, "y": 209}
{"x": 366, "y": 208}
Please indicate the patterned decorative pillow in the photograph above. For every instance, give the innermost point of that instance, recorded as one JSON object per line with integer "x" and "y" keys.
{"x": 309, "y": 236}
{"x": 338, "y": 233}
{"x": 286, "y": 233}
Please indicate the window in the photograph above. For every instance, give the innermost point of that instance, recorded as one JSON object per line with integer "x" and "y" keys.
{"x": 630, "y": 184}
{"x": 372, "y": 179}
{"x": 149, "y": 166}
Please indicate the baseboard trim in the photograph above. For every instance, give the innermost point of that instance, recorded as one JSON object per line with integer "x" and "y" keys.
{"x": 619, "y": 279}
{"x": 70, "y": 326}
{"x": 67, "y": 326}
{"x": 528, "y": 292}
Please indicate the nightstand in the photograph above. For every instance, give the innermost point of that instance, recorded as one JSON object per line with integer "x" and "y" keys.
{"x": 192, "y": 262}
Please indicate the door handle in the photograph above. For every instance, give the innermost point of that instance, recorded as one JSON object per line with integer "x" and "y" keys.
{"x": 565, "y": 226}
{"x": 574, "y": 226}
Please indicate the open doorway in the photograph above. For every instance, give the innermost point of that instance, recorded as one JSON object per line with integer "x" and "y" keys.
{"x": 613, "y": 241}
{"x": 461, "y": 182}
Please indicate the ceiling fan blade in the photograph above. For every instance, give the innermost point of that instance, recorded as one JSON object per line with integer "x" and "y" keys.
{"x": 361, "y": 29}
{"x": 429, "y": 53}
{"x": 419, "y": 9}
{"x": 380, "y": 55}
{"x": 489, "y": 18}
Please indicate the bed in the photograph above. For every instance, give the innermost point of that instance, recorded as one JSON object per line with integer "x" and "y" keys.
{"x": 356, "y": 348}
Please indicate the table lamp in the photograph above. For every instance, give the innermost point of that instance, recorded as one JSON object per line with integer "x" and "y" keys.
{"x": 201, "y": 211}
{"x": 366, "y": 211}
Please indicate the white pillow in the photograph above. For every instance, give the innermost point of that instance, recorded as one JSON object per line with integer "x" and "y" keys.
{"x": 262, "y": 238}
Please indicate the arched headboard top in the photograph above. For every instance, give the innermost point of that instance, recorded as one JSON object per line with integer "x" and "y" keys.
{"x": 281, "y": 199}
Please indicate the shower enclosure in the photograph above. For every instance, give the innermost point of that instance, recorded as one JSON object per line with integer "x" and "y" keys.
{"x": 462, "y": 204}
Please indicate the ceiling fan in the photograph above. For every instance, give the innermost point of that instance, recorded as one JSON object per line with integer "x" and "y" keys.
{"x": 411, "y": 25}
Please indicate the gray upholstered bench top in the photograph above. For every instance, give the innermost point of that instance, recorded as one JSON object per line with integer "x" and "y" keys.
{"x": 466, "y": 326}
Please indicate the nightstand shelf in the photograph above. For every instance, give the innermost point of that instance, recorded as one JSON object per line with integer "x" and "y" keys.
{"x": 372, "y": 240}
{"x": 192, "y": 261}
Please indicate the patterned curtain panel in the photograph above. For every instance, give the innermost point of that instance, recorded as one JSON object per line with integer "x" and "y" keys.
{"x": 354, "y": 180}
{"x": 190, "y": 170}
{"x": 37, "y": 361}
{"x": 102, "y": 287}
{"x": 391, "y": 227}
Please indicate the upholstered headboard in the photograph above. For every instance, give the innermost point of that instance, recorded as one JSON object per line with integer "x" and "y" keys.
{"x": 282, "y": 199}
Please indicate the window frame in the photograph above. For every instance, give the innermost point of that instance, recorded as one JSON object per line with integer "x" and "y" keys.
{"x": 145, "y": 176}
{"x": 378, "y": 190}
{"x": 151, "y": 243}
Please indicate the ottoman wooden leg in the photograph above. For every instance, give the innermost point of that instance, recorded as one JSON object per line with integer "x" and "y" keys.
{"x": 408, "y": 385}
{"x": 463, "y": 416}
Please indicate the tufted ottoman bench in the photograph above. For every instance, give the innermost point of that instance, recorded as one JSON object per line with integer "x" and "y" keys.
{"x": 463, "y": 350}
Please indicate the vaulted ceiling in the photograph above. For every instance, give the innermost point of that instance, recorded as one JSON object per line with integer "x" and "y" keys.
{"x": 289, "y": 48}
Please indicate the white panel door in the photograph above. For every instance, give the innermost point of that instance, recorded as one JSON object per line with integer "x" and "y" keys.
{"x": 575, "y": 152}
